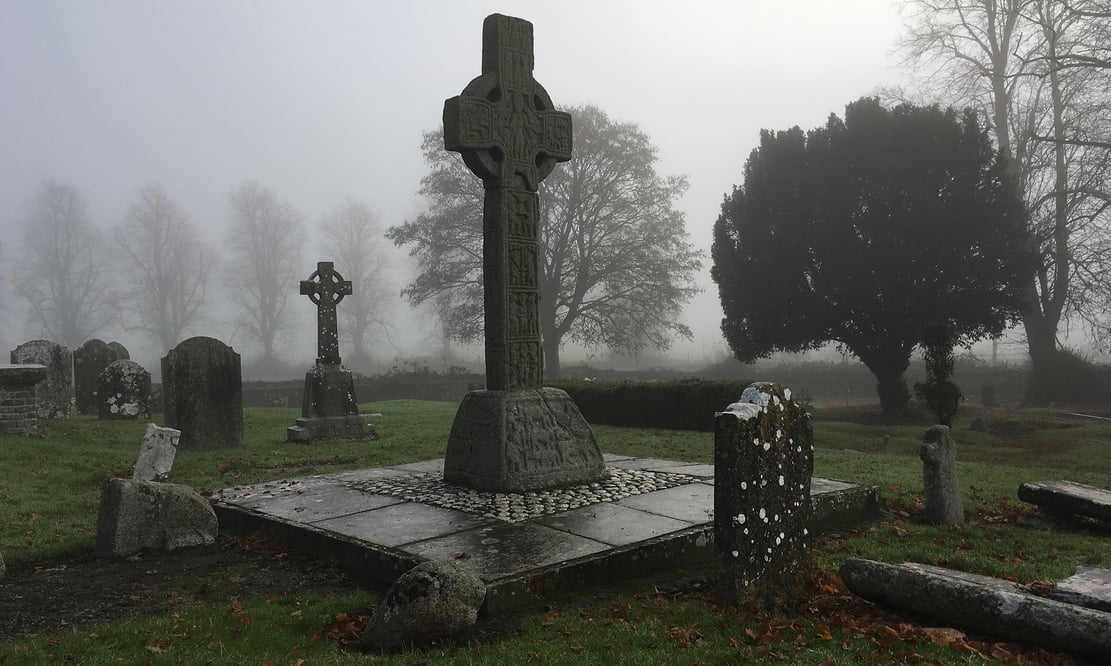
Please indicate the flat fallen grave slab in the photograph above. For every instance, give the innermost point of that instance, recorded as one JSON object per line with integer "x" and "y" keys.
{"x": 1068, "y": 497}
{"x": 1088, "y": 586}
{"x": 649, "y": 515}
{"x": 987, "y": 605}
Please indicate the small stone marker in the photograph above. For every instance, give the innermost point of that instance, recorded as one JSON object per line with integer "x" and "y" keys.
{"x": 1068, "y": 498}
{"x": 123, "y": 391}
{"x": 988, "y": 605}
{"x": 431, "y": 601}
{"x": 156, "y": 454}
{"x": 89, "y": 360}
{"x": 763, "y": 461}
{"x": 329, "y": 410}
{"x": 202, "y": 394}
{"x": 939, "y": 478}
{"x": 517, "y": 436}
{"x": 54, "y": 395}
{"x": 17, "y": 398}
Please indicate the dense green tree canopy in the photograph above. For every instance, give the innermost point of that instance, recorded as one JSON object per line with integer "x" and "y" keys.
{"x": 866, "y": 231}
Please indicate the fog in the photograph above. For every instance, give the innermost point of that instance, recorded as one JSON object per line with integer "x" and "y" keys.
{"x": 325, "y": 101}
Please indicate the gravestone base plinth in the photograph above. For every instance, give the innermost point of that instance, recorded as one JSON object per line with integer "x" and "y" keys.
{"x": 324, "y": 428}
{"x": 521, "y": 441}
{"x": 329, "y": 410}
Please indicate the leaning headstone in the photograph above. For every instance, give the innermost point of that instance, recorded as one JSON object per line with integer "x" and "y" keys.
{"x": 516, "y": 436}
{"x": 202, "y": 394}
{"x": 942, "y": 493}
{"x": 17, "y": 398}
{"x": 329, "y": 410}
{"x": 1068, "y": 498}
{"x": 119, "y": 351}
{"x": 987, "y": 605}
{"x": 431, "y": 601}
{"x": 123, "y": 391}
{"x": 763, "y": 461}
{"x": 53, "y": 395}
{"x": 1089, "y": 587}
{"x": 156, "y": 454}
{"x": 140, "y": 515}
{"x": 89, "y": 360}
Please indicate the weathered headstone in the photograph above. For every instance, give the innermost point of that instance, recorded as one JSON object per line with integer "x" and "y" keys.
{"x": 202, "y": 394}
{"x": 516, "y": 436}
{"x": 942, "y": 493}
{"x": 53, "y": 395}
{"x": 137, "y": 515}
{"x": 156, "y": 454}
{"x": 431, "y": 601}
{"x": 329, "y": 410}
{"x": 119, "y": 351}
{"x": 17, "y": 398}
{"x": 763, "y": 461}
{"x": 1068, "y": 498}
{"x": 89, "y": 360}
{"x": 980, "y": 603}
{"x": 123, "y": 391}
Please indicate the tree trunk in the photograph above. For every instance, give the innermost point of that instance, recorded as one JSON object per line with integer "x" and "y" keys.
{"x": 1041, "y": 340}
{"x": 891, "y": 384}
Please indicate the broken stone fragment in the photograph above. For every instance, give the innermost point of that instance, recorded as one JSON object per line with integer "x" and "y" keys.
{"x": 430, "y": 601}
{"x": 137, "y": 515}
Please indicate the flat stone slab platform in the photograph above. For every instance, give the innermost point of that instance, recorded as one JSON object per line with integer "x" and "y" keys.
{"x": 650, "y": 515}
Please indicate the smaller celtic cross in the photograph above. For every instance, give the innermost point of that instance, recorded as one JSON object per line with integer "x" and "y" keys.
{"x": 326, "y": 288}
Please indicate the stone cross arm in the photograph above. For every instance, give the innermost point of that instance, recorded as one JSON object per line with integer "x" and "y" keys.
{"x": 504, "y": 123}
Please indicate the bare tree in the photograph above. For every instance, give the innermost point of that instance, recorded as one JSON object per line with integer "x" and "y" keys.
{"x": 62, "y": 270}
{"x": 170, "y": 267}
{"x": 616, "y": 265}
{"x": 1021, "y": 60}
{"x": 265, "y": 238}
{"x": 352, "y": 238}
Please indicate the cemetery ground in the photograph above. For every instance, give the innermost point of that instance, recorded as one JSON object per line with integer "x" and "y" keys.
{"x": 248, "y": 600}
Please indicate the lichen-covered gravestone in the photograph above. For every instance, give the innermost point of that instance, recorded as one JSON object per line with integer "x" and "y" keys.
{"x": 89, "y": 360}
{"x": 942, "y": 493}
{"x": 123, "y": 391}
{"x": 763, "y": 461}
{"x": 516, "y": 436}
{"x": 329, "y": 410}
{"x": 202, "y": 394}
{"x": 156, "y": 454}
{"x": 53, "y": 395}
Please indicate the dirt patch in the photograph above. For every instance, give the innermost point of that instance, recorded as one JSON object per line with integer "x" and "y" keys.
{"x": 79, "y": 591}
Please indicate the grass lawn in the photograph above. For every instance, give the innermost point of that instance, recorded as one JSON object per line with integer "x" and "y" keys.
{"x": 49, "y": 492}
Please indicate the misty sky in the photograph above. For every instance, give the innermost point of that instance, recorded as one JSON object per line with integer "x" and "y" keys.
{"x": 327, "y": 100}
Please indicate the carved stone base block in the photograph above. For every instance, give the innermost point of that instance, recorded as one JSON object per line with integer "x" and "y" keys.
{"x": 325, "y": 428}
{"x": 329, "y": 409}
{"x": 521, "y": 441}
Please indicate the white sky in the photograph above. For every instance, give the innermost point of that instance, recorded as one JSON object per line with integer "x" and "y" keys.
{"x": 327, "y": 100}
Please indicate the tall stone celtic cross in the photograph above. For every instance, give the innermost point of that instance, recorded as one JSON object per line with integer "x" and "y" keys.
{"x": 326, "y": 288}
{"x": 509, "y": 134}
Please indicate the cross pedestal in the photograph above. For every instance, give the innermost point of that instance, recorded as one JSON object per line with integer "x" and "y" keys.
{"x": 516, "y": 436}
{"x": 329, "y": 410}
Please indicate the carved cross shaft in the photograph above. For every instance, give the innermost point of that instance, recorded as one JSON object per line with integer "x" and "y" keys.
{"x": 326, "y": 288}
{"x": 510, "y": 135}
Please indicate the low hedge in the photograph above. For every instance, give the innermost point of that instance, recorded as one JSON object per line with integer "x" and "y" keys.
{"x": 676, "y": 404}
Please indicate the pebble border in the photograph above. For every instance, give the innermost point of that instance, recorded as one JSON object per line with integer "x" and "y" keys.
{"x": 516, "y": 507}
